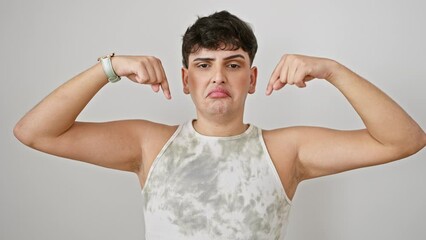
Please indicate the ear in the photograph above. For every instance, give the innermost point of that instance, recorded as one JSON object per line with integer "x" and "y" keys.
{"x": 253, "y": 80}
{"x": 185, "y": 80}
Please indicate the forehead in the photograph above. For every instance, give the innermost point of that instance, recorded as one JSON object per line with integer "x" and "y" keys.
{"x": 217, "y": 54}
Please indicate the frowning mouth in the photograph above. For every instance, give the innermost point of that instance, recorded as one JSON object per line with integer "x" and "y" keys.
{"x": 218, "y": 93}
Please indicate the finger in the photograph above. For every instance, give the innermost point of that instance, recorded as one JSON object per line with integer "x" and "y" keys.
{"x": 141, "y": 74}
{"x": 164, "y": 83}
{"x": 155, "y": 87}
{"x": 163, "y": 73}
{"x": 301, "y": 85}
{"x": 284, "y": 71}
{"x": 292, "y": 69}
{"x": 132, "y": 77}
{"x": 269, "y": 89}
{"x": 152, "y": 76}
{"x": 299, "y": 78}
{"x": 278, "y": 85}
{"x": 282, "y": 78}
{"x": 159, "y": 76}
{"x": 308, "y": 78}
{"x": 274, "y": 77}
{"x": 166, "y": 90}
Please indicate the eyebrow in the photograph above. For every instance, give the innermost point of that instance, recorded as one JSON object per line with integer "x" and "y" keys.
{"x": 227, "y": 58}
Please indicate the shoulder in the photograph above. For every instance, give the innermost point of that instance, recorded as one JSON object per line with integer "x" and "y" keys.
{"x": 151, "y": 132}
{"x": 283, "y": 147}
{"x": 281, "y": 142}
{"x": 287, "y": 135}
{"x": 290, "y": 140}
{"x": 153, "y": 138}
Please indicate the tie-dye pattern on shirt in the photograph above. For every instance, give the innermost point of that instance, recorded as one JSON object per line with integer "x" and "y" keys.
{"x": 202, "y": 187}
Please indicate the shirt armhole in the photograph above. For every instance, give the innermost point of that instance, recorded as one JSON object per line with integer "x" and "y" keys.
{"x": 271, "y": 164}
{"x": 157, "y": 159}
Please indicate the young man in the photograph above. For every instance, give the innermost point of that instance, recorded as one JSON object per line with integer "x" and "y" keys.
{"x": 215, "y": 177}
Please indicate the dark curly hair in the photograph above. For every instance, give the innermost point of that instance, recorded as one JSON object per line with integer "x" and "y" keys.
{"x": 220, "y": 30}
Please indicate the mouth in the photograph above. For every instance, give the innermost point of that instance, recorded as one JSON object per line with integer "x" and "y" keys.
{"x": 218, "y": 93}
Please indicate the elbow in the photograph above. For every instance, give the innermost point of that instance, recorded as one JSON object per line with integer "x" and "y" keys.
{"x": 23, "y": 135}
{"x": 423, "y": 141}
{"x": 415, "y": 144}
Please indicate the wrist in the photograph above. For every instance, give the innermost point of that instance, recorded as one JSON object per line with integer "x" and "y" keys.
{"x": 108, "y": 68}
{"x": 337, "y": 72}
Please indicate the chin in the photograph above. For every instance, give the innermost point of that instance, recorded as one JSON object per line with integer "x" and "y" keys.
{"x": 218, "y": 108}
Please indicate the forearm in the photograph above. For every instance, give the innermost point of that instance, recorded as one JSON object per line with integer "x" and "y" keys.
{"x": 385, "y": 120}
{"x": 57, "y": 112}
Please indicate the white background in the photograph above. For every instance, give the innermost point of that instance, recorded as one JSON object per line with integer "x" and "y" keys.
{"x": 45, "y": 43}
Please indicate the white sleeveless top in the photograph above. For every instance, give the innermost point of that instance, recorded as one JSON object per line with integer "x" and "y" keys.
{"x": 202, "y": 187}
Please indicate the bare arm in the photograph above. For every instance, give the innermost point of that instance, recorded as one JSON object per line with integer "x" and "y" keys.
{"x": 390, "y": 132}
{"x": 51, "y": 125}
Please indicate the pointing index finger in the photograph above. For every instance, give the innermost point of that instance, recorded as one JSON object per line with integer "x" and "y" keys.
{"x": 275, "y": 76}
{"x": 165, "y": 84}
{"x": 166, "y": 90}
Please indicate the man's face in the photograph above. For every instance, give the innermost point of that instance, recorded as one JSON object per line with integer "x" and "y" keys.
{"x": 219, "y": 80}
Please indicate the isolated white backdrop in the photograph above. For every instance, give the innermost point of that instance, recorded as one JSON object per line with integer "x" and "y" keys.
{"x": 44, "y": 43}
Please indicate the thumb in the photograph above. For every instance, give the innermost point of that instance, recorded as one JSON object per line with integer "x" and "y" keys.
{"x": 155, "y": 87}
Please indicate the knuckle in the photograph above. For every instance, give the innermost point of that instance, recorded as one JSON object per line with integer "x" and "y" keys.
{"x": 144, "y": 60}
{"x": 298, "y": 61}
{"x": 141, "y": 64}
{"x": 289, "y": 56}
{"x": 145, "y": 78}
{"x": 152, "y": 58}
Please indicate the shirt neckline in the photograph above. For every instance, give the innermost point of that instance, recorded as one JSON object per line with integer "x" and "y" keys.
{"x": 191, "y": 128}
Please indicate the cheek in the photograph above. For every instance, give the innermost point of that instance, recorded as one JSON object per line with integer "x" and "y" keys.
{"x": 199, "y": 76}
{"x": 195, "y": 81}
{"x": 243, "y": 80}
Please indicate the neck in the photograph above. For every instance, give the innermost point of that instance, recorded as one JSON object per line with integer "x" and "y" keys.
{"x": 219, "y": 126}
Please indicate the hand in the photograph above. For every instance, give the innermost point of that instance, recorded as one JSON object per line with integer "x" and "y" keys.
{"x": 143, "y": 70}
{"x": 297, "y": 70}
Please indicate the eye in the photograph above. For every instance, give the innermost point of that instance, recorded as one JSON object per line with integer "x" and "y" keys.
{"x": 203, "y": 65}
{"x": 234, "y": 66}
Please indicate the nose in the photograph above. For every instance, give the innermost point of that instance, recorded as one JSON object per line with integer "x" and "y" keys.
{"x": 219, "y": 75}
